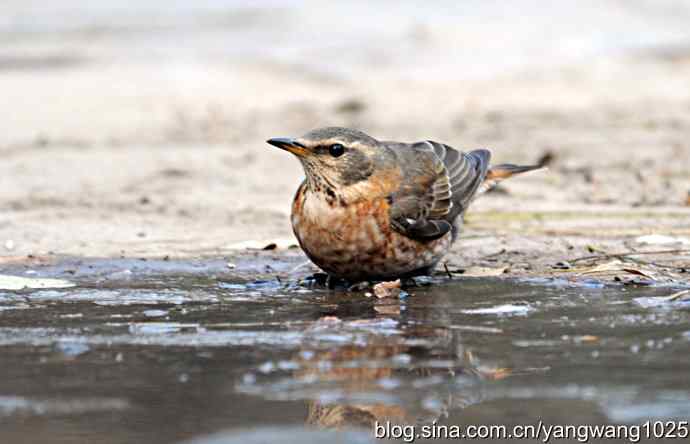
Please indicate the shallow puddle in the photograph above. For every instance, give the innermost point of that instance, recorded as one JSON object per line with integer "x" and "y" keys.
{"x": 165, "y": 351}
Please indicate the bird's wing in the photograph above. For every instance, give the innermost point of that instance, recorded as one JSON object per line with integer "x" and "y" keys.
{"x": 438, "y": 184}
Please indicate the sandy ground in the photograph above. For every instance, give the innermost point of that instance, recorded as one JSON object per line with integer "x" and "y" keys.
{"x": 108, "y": 157}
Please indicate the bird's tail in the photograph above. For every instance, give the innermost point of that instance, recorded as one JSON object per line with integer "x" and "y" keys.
{"x": 499, "y": 173}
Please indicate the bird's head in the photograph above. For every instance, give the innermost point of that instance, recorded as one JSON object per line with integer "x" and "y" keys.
{"x": 334, "y": 158}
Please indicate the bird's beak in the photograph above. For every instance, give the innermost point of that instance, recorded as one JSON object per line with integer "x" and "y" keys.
{"x": 289, "y": 144}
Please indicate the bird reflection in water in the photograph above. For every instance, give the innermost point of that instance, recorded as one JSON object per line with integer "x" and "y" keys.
{"x": 386, "y": 366}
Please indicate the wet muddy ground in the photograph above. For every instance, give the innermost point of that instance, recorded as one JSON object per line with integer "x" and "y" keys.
{"x": 162, "y": 351}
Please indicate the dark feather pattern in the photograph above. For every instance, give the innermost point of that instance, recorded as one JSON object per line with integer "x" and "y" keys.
{"x": 438, "y": 184}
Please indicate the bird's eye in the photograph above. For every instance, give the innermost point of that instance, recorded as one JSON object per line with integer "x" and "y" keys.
{"x": 336, "y": 150}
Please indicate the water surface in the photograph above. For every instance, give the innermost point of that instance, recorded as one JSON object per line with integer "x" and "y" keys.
{"x": 164, "y": 351}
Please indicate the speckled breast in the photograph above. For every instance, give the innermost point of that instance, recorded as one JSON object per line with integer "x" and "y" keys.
{"x": 356, "y": 242}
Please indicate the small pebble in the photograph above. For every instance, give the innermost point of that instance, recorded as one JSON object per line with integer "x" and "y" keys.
{"x": 389, "y": 289}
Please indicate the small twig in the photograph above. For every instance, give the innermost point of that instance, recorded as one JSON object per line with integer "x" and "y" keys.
{"x": 622, "y": 255}
{"x": 450, "y": 275}
{"x": 655, "y": 264}
{"x": 680, "y": 295}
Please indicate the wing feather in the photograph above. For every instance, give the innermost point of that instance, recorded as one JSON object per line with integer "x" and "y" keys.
{"x": 438, "y": 184}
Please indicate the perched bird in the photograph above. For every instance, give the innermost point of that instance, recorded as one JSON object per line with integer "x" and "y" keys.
{"x": 380, "y": 210}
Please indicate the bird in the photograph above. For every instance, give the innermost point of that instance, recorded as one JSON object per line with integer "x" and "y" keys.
{"x": 371, "y": 210}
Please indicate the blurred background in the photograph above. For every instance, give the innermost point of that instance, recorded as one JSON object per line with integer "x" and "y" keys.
{"x": 140, "y": 129}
